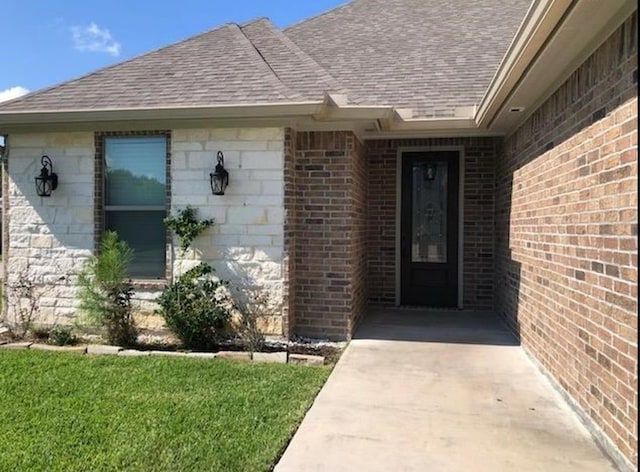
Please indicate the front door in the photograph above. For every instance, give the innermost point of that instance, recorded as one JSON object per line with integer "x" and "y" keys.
{"x": 429, "y": 232}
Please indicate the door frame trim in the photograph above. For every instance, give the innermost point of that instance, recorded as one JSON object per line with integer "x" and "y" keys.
{"x": 400, "y": 152}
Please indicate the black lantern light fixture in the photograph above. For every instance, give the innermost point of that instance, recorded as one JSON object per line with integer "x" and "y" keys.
{"x": 219, "y": 177}
{"x": 47, "y": 181}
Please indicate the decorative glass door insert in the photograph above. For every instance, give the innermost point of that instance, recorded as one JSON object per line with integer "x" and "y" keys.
{"x": 429, "y": 215}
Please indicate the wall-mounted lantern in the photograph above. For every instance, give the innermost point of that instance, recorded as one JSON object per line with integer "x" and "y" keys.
{"x": 47, "y": 181}
{"x": 219, "y": 177}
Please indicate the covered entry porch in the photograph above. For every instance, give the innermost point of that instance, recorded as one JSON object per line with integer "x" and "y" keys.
{"x": 386, "y": 223}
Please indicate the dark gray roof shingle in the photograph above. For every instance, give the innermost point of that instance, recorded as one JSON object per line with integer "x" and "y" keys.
{"x": 293, "y": 67}
{"x": 428, "y": 55}
{"x": 220, "y": 66}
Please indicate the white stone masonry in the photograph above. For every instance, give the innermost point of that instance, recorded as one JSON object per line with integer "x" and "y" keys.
{"x": 51, "y": 237}
{"x": 246, "y": 244}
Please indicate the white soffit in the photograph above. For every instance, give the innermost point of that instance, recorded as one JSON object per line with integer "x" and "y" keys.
{"x": 586, "y": 25}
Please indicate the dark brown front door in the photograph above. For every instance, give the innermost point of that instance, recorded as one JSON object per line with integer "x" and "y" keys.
{"x": 429, "y": 232}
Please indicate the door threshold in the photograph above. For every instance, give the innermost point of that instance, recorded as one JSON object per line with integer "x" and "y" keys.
{"x": 427, "y": 308}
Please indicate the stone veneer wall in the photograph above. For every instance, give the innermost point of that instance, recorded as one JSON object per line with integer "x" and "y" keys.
{"x": 566, "y": 242}
{"x": 329, "y": 226}
{"x": 479, "y": 178}
{"x": 48, "y": 238}
{"x": 246, "y": 245}
{"x": 53, "y": 236}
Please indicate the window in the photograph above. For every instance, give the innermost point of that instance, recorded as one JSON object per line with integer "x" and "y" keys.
{"x": 135, "y": 189}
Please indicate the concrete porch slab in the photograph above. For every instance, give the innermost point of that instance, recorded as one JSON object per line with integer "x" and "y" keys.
{"x": 420, "y": 390}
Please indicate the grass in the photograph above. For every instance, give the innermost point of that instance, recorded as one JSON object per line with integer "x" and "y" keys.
{"x": 67, "y": 412}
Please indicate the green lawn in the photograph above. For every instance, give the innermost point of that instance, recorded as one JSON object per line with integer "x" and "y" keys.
{"x": 67, "y": 412}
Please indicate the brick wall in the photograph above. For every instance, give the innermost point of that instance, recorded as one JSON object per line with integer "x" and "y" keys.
{"x": 479, "y": 175}
{"x": 359, "y": 194}
{"x": 329, "y": 289}
{"x": 566, "y": 242}
{"x": 289, "y": 231}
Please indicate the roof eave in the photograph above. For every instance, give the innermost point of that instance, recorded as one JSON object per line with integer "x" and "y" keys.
{"x": 538, "y": 23}
{"x": 555, "y": 37}
{"x": 333, "y": 109}
{"x": 230, "y": 111}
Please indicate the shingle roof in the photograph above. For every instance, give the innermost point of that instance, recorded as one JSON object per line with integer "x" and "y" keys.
{"x": 220, "y": 66}
{"x": 293, "y": 67}
{"x": 427, "y": 55}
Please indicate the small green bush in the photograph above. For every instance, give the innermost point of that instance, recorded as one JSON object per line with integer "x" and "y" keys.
{"x": 186, "y": 226}
{"x": 62, "y": 336}
{"x": 196, "y": 308}
{"x": 105, "y": 291}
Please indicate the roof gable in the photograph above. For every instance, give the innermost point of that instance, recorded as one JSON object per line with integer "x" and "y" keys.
{"x": 431, "y": 57}
{"x": 428, "y": 55}
{"x": 220, "y": 66}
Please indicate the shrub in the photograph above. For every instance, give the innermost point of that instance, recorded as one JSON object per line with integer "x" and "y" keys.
{"x": 62, "y": 336}
{"x": 196, "y": 307}
{"x": 24, "y": 293}
{"x": 251, "y": 306}
{"x": 105, "y": 291}
{"x": 186, "y": 226}
{"x": 24, "y": 303}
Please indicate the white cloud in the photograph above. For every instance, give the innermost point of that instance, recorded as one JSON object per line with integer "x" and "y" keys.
{"x": 92, "y": 38}
{"x": 12, "y": 92}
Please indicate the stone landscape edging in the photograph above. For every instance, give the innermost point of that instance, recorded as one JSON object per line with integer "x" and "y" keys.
{"x": 280, "y": 357}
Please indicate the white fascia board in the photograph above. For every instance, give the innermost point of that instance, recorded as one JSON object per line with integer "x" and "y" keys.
{"x": 355, "y": 112}
{"x": 326, "y": 113}
{"x": 432, "y": 133}
{"x": 585, "y": 28}
{"x": 435, "y": 124}
{"x": 538, "y": 23}
{"x": 267, "y": 110}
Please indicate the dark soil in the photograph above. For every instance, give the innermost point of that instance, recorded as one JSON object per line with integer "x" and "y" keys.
{"x": 330, "y": 351}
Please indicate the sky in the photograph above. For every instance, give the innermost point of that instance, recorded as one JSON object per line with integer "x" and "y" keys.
{"x": 44, "y": 42}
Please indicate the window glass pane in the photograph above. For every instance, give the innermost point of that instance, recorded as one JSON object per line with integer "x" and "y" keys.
{"x": 145, "y": 233}
{"x": 429, "y": 219}
{"x": 135, "y": 170}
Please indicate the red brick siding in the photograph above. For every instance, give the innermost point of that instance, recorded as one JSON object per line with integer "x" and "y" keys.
{"x": 358, "y": 172}
{"x": 289, "y": 273}
{"x": 479, "y": 177}
{"x": 566, "y": 254}
{"x": 381, "y": 221}
{"x": 328, "y": 220}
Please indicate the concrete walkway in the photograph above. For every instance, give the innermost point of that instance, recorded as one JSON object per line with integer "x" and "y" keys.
{"x": 439, "y": 392}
